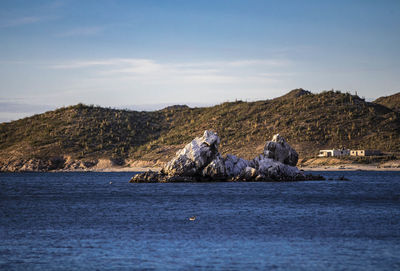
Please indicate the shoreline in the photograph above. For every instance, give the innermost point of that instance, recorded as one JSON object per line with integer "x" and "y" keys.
{"x": 350, "y": 168}
{"x": 115, "y": 169}
{"x": 334, "y": 164}
{"x": 316, "y": 168}
{"x": 157, "y": 169}
{"x": 108, "y": 165}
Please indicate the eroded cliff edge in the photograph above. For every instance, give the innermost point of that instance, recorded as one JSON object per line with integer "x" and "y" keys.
{"x": 200, "y": 161}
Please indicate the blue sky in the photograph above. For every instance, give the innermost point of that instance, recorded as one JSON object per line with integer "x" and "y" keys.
{"x": 148, "y": 54}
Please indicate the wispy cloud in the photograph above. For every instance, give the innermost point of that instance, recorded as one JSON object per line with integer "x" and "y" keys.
{"x": 150, "y": 72}
{"x": 82, "y": 31}
{"x": 116, "y": 81}
{"x": 21, "y": 21}
{"x": 144, "y": 64}
{"x": 112, "y": 62}
{"x": 33, "y": 15}
{"x": 55, "y": 4}
{"x": 259, "y": 62}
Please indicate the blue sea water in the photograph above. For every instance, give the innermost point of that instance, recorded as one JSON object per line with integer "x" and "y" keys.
{"x": 79, "y": 221}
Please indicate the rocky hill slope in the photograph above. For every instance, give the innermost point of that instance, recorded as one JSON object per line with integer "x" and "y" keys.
{"x": 308, "y": 121}
{"x": 392, "y": 101}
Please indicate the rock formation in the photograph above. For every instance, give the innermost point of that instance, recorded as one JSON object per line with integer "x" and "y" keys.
{"x": 278, "y": 149}
{"x": 200, "y": 160}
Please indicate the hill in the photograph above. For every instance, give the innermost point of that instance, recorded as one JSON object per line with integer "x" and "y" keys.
{"x": 308, "y": 121}
{"x": 392, "y": 101}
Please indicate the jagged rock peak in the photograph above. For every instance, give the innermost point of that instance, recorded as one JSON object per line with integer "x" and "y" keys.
{"x": 195, "y": 156}
{"x": 279, "y": 150}
{"x": 210, "y": 138}
{"x": 278, "y": 138}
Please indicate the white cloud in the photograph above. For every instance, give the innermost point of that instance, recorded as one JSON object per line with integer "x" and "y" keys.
{"x": 55, "y": 4}
{"x": 259, "y": 62}
{"x": 21, "y": 21}
{"x": 148, "y": 80}
{"x": 185, "y": 75}
{"x": 112, "y": 62}
{"x": 135, "y": 67}
{"x": 82, "y": 31}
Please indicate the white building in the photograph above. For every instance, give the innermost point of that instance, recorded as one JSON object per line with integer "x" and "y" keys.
{"x": 365, "y": 152}
{"x": 333, "y": 153}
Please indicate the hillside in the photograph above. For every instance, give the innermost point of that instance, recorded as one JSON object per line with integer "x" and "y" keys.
{"x": 308, "y": 121}
{"x": 392, "y": 101}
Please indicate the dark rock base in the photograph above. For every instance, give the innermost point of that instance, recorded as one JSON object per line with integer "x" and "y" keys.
{"x": 158, "y": 177}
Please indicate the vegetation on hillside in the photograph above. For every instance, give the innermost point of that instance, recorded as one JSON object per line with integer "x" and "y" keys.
{"x": 392, "y": 101}
{"x": 82, "y": 131}
{"x": 308, "y": 121}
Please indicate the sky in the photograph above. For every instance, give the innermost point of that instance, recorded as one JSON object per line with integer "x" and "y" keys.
{"x": 145, "y": 55}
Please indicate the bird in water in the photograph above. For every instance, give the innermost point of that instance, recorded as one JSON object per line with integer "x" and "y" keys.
{"x": 110, "y": 182}
{"x": 192, "y": 218}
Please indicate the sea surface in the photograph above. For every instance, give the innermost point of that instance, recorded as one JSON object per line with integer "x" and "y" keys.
{"x": 99, "y": 221}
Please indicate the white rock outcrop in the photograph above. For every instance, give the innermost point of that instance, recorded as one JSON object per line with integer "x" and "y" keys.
{"x": 215, "y": 169}
{"x": 270, "y": 168}
{"x": 195, "y": 157}
{"x": 235, "y": 165}
{"x": 200, "y": 160}
{"x": 279, "y": 150}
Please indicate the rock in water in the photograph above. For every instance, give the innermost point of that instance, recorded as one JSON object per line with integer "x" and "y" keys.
{"x": 215, "y": 169}
{"x": 235, "y": 165}
{"x": 200, "y": 161}
{"x": 270, "y": 169}
{"x": 195, "y": 156}
{"x": 278, "y": 149}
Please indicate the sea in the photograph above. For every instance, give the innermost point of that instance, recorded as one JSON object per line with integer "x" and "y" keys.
{"x": 100, "y": 221}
